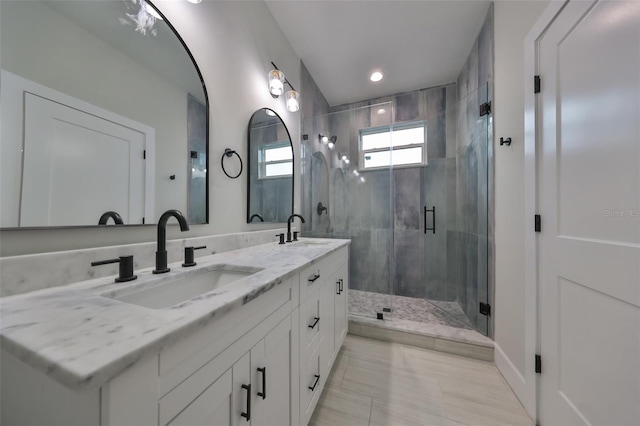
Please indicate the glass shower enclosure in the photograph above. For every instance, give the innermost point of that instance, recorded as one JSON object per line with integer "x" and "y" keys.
{"x": 405, "y": 180}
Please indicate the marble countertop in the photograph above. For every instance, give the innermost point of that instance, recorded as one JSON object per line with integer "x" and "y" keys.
{"x": 82, "y": 339}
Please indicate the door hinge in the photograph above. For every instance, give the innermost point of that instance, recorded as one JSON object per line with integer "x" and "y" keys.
{"x": 538, "y": 364}
{"x": 144, "y": 154}
{"x": 537, "y": 223}
{"x": 485, "y": 309}
{"x": 536, "y": 84}
{"x": 485, "y": 108}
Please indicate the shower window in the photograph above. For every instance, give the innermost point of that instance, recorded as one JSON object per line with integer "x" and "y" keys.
{"x": 399, "y": 145}
{"x": 275, "y": 160}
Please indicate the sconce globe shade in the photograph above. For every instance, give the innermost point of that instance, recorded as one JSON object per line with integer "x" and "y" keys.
{"x": 324, "y": 139}
{"x": 292, "y": 101}
{"x": 331, "y": 145}
{"x": 276, "y": 82}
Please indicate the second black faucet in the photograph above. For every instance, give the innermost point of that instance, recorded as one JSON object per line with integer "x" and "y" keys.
{"x": 293, "y": 216}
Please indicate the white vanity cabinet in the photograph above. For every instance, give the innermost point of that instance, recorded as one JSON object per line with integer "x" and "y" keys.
{"x": 323, "y": 324}
{"x": 263, "y": 363}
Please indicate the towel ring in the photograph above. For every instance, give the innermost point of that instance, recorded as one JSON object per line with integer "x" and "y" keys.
{"x": 228, "y": 153}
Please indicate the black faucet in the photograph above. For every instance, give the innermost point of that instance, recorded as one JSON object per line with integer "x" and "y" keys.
{"x": 161, "y": 253}
{"x": 117, "y": 219}
{"x": 256, "y": 215}
{"x": 293, "y": 216}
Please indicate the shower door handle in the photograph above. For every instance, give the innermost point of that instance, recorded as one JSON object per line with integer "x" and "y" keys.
{"x": 432, "y": 210}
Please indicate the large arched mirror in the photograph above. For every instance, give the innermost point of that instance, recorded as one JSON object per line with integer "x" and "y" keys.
{"x": 270, "y": 186}
{"x": 103, "y": 110}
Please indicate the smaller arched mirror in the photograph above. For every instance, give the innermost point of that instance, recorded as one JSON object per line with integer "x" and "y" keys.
{"x": 270, "y": 184}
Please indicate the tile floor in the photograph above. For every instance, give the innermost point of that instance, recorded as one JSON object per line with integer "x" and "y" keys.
{"x": 368, "y": 303}
{"x": 382, "y": 383}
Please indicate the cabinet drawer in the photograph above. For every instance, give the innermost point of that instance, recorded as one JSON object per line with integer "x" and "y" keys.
{"x": 310, "y": 386}
{"x": 309, "y": 325}
{"x": 313, "y": 275}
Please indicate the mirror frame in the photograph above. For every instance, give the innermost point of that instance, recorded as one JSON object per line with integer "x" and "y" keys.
{"x": 293, "y": 166}
{"x": 206, "y": 98}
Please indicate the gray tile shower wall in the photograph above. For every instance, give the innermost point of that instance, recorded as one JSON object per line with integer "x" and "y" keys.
{"x": 474, "y": 181}
{"x": 384, "y": 214}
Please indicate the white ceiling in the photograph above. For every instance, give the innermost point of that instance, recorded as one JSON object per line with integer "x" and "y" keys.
{"x": 417, "y": 44}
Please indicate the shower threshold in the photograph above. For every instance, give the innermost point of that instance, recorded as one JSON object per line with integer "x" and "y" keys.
{"x": 435, "y": 325}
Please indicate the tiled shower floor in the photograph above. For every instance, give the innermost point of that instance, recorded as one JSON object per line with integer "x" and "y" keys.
{"x": 433, "y": 312}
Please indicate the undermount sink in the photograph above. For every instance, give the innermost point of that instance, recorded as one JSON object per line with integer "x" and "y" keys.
{"x": 168, "y": 293}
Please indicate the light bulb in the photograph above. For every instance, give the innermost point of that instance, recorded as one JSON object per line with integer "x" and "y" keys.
{"x": 292, "y": 101}
{"x": 376, "y": 76}
{"x": 346, "y": 160}
{"x": 355, "y": 172}
{"x": 276, "y": 82}
{"x": 331, "y": 145}
{"x": 362, "y": 179}
{"x": 381, "y": 111}
{"x": 324, "y": 139}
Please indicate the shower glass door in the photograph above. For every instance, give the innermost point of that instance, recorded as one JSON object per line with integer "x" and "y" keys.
{"x": 357, "y": 198}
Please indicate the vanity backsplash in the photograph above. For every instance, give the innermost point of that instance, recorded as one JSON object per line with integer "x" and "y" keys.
{"x": 22, "y": 274}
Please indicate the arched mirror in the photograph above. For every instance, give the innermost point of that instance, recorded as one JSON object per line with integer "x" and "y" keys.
{"x": 270, "y": 185}
{"x": 103, "y": 110}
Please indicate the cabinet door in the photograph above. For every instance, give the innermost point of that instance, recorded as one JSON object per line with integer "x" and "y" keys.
{"x": 341, "y": 298}
{"x": 274, "y": 383}
{"x": 327, "y": 328}
{"x": 212, "y": 407}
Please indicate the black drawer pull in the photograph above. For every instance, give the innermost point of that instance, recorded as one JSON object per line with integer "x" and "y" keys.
{"x": 341, "y": 285}
{"x": 263, "y": 394}
{"x": 313, "y": 387}
{"x": 247, "y": 415}
{"x": 339, "y": 290}
{"x": 314, "y": 277}
{"x": 312, "y": 326}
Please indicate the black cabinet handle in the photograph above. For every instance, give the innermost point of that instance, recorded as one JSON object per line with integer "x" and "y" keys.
{"x": 339, "y": 290}
{"x": 312, "y": 326}
{"x": 247, "y": 415}
{"x": 314, "y": 277}
{"x": 341, "y": 285}
{"x": 432, "y": 210}
{"x": 313, "y": 387}
{"x": 263, "y": 394}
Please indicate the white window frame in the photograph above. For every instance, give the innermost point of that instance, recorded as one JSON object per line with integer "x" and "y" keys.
{"x": 262, "y": 164}
{"x": 391, "y": 128}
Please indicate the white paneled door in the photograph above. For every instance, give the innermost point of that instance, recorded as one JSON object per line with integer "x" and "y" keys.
{"x": 79, "y": 165}
{"x": 589, "y": 200}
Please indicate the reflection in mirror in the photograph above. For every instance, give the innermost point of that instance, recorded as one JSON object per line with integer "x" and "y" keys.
{"x": 103, "y": 110}
{"x": 270, "y": 186}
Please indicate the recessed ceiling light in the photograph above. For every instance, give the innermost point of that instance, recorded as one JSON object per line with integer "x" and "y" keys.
{"x": 195, "y": 1}
{"x": 382, "y": 111}
{"x": 376, "y": 76}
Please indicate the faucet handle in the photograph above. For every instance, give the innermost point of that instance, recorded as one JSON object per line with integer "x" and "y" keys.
{"x": 126, "y": 268}
{"x": 189, "y": 255}
{"x": 295, "y": 235}
{"x": 281, "y": 238}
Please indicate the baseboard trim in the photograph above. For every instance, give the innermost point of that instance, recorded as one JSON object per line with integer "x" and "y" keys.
{"x": 513, "y": 377}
